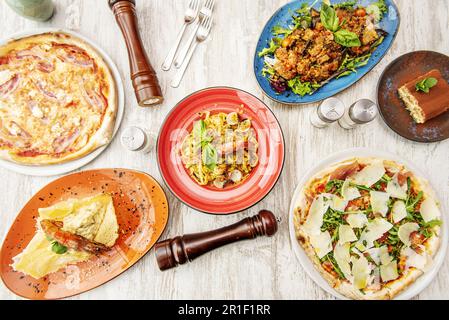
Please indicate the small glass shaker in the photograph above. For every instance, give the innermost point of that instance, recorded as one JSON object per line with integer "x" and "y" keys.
{"x": 361, "y": 112}
{"x": 38, "y": 10}
{"x": 329, "y": 111}
{"x": 136, "y": 139}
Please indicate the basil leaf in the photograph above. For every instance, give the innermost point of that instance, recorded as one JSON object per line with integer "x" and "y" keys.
{"x": 426, "y": 84}
{"x": 199, "y": 129}
{"x": 329, "y": 18}
{"x": 347, "y": 38}
{"x": 58, "y": 248}
{"x": 210, "y": 156}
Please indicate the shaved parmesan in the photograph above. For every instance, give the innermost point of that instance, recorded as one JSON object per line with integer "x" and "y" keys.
{"x": 315, "y": 218}
{"x": 395, "y": 190}
{"x": 414, "y": 259}
{"x": 379, "y": 202}
{"x": 406, "y": 230}
{"x": 361, "y": 272}
{"x": 322, "y": 244}
{"x": 349, "y": 193}
{"x": 338, "y": 203}
{"x": 374, "y": 230}
{"x": 429, "y": 210}
{"x": 343, "y": 257}
{"x": 389, "y": 272}
{"x": 374, "y": 254}
{"x": 384, "y": 255}
{"x": 370, "y": 174}
{"x": 346, "y": 234}
{"x": 357, "y": 220}
{"x": 399, "y": 211}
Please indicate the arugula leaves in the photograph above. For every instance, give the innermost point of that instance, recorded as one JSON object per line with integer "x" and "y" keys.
{"x": 426, "y": 84}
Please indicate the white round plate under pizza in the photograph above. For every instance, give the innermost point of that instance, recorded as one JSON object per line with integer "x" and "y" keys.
{"x": 59, "y": 102}
{"x": 368, "y": 226}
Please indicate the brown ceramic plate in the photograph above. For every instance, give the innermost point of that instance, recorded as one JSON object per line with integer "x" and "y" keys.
{"x": 402, "y": 70}
{"x": 142, "y": 213}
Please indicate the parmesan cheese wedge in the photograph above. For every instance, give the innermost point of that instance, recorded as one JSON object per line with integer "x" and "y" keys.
{"x": 370, "y": 174}
{"x": 338, "y": 203}
{"x": 357, "y": 220}
{"x": 399, "y": 211}
{"x": 379, "y": 202}
{"x": 322, "y": 243}
{"x": 395, "y": 189}
{"x": 349, "y": 193}
{"x": 346, "y": 234}
{"x": 374, "y": 254}
{"x": 429, "y": 210}
{"x": 342, "y": 257}
{"x": 374, "y": 230}
{"x": 406, "y": 230}
{"x": 315, "y": 219}
{"x": 360, "y": 271}
{"x": 389, "y": 271}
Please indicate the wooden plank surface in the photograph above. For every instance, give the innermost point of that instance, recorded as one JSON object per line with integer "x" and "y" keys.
{"x": 264, "y": 268}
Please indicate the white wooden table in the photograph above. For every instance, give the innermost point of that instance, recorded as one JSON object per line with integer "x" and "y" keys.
{"x": 265, "y": 268}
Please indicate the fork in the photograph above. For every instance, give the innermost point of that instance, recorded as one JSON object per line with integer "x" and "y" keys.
{"x": 189, "y": 17}
{"x": 201, "y": 35}
{"x": 206, "y": 11}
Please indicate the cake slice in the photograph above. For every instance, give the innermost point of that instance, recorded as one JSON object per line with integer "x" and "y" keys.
{"x": 425, "y": 106}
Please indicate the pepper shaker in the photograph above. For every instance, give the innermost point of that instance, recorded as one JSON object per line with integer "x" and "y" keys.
{"x": 143, "y": 77}
{"x": 361, "y": 112}
{"x": 329, "y": 111}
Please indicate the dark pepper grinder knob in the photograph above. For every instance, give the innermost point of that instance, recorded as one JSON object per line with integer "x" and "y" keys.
{"x": 173, "y": 252}
{"x": 143, "y": 77}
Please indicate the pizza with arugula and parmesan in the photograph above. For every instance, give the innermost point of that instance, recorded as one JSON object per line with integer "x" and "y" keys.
{"x": 58, "y": 99}
{"x": 370, "y": 226}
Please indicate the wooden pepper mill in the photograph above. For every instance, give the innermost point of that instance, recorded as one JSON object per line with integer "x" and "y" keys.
{"x": 173, "y": 252}
{"x": 143, "y": 77}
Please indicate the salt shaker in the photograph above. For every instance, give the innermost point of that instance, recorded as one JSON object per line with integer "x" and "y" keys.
{"x": 136, "y": 139}
{"x": 361, "y": 112}
{"x": 329, "y": 111}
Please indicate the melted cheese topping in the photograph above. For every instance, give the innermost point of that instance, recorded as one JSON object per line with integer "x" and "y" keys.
{"x": 54, "y": 100}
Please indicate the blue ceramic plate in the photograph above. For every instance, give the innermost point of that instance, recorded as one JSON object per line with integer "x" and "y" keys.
{"x": 283, "y": 17}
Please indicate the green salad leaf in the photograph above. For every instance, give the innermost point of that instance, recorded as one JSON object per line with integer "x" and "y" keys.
{"x": 347, "y": 38}
{"x": 270, "y": 50}
{"x": 329, "y": 18}
{"x": 302, "y": 88}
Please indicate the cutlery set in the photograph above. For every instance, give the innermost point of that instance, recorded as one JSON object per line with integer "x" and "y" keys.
{"x": 200, "y": 17}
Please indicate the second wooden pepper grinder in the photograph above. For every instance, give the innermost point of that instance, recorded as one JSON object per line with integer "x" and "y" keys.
{"x": 143, "y": 77}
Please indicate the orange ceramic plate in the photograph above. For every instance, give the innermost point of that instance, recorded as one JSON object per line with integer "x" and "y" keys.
{"x": 142, "y": 213}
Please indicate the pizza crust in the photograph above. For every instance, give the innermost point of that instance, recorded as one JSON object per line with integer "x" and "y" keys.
{"x": 104, "y": 133}
{"x": 393, "y": 288}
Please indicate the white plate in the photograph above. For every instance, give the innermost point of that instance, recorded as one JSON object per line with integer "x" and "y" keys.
{"x": 57, "y": 169}
{"x": 422, "y": 282}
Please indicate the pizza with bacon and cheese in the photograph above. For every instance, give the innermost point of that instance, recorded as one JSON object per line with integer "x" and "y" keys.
{"x": 58, "y": 99}
{"x": 370, "y": 226}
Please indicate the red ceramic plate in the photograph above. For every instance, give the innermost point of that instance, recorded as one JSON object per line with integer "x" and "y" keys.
{"x": 231, "y": 199}
{"x": 142, "y": 213}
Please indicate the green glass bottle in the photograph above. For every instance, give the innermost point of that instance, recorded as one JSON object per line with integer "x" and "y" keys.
{"x": 38, "y": 10}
